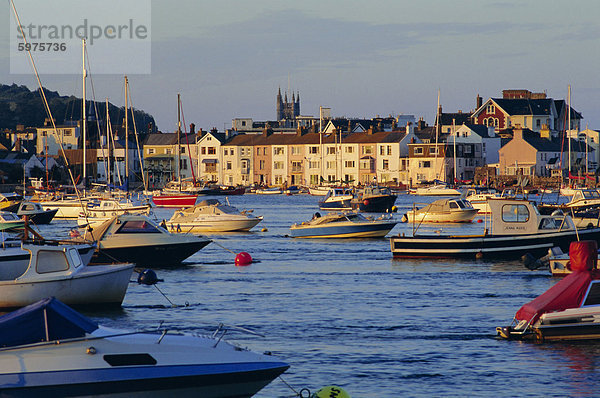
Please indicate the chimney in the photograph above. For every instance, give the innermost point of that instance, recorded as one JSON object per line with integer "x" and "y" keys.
{"x": 410, "y": 129}
{"x": 479, "y": 102}
{"x": 370, "y": 130}
{"x": 421, "y": 124}
{"x": 192, "y": 128}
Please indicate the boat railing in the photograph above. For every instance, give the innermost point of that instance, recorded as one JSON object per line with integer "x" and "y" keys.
{"x": 222, "y": 330}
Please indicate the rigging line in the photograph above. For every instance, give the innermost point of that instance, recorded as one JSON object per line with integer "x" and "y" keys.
{"x": 188, "y": 144}
{"x": 137, "y": 141}
{"x": 95, "y": 107}
{"x": 46, "y": 105}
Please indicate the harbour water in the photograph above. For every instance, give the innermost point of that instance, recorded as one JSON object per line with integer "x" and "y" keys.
{"x": 345, "y": 312}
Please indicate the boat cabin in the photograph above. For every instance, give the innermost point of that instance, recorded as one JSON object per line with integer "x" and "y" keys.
{"x": 45, "y": 262}
{"x": 519, "y": 216}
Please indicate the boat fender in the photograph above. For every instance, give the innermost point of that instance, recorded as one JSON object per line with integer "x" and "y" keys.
{"x": 148, "y": 277}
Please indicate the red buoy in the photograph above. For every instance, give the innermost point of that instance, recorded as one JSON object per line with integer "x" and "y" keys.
{"x": 366, "y": 202}
{"x": 243, "y": 259}
{"x": 480, "y": 220}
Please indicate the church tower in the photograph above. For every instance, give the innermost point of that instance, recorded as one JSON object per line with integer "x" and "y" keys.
{"x": 287, "y": 110}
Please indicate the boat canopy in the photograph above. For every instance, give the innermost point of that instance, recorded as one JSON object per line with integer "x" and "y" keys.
{"x": 571, "y": 290}
{"x": 47, "y": 320}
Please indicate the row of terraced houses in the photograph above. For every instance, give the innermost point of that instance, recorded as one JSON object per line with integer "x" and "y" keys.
{"x": 521, "y": 133}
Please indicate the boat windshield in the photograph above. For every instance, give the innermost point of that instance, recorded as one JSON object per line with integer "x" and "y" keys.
{"x": 137, "y": 227}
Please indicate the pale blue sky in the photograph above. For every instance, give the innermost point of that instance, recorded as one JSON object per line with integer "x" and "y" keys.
{"x": 228, "y": 58}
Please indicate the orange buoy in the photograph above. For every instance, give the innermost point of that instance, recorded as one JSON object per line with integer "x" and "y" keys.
{"x": 366, "y": 202}
{"x": 480, "y": 220}
{"x": 243, "y": 259}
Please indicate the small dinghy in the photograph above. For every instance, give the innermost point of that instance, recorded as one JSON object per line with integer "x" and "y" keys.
{"x": 569, "y": 310}
{"x": 50, "y": 350}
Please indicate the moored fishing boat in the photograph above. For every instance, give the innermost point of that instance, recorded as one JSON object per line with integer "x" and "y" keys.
{"x": 569, "y": 310}
{"x": 343, "y": 225}
{"x": 337, "y": 199}
{"x": 50, "y": 350}
{"x": 374, "y": 199}
{"x": 516, "y": 228}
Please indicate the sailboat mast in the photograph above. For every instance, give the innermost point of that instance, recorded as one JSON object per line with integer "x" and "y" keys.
{"x": 107, "y": 160}
{"x": 127, "y": 132}
{"x": 179, "y": 139}
{"x": 83, "y": 112}
{"x": 569, "y": 126}
{"x": 454, "y": 133}
{"x": 437, "y": 115}
{"x": 320, "y": 143}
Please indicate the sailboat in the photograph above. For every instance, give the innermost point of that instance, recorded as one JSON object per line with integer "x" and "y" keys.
{"x": 178, "y": 193}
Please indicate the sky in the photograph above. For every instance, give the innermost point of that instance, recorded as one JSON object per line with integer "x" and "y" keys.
{"x": 362, "y": 59}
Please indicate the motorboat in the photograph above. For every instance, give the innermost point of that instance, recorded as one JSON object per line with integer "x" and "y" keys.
{"x": 337, "y": 199}
{"x": 582, "y": 200}
{"x": 569, "y": 310}
{"x": 181, "y": 200}
{"x": 438, "y": 189}
{"x": 9, "y": 221}
{"x": 515, "y": 228}
{"x": 292, "y": 190}
{"x": 268, "y": 191}
{"x": 50, "y": 350}
{"x": 10, "y": 201}
{"x": 478, "y": 199}
{"x": 68, "y": 206}
{"x": 442, "y": 211}
{"x": 319, "y": 190}
{"x": 212, "y": 216}
{"x": 349, "y": 224}
{"x": 113, "y": 207}
{"x": 36, "y": 270}
{"x": 135, "y": 238}
{"x": 374, "y": 199}
{"x": 35, "y": 213}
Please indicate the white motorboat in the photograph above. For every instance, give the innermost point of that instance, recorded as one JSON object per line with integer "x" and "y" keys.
{"x": 135, "y": 238}
{"x": 479, "y": 199}
{"x": 319, "y": 190}
{"x": 212, "y": 216}
{"x": 32, "y": 271}
{"x": 50, "y": 350}
{"x": 68, "y": 207}
{"x": 436, "y": 190}
{"x": 337, "y": 199}
{"x": 569, "y": 310}
{"x": 98, "y": 212}
{"x": 268, "y": 191}
{"x": 343, "y": 225}
{"x": 442, "y": 211}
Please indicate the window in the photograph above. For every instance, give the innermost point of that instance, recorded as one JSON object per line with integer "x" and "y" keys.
{"x": 228, "y": 167}
{"x": 261, "y": 165}
{"x": 314, "y": 165}
{"x": 257, "y": 151}
{"x": 538, "y": 123}
{"x": 296, "y": 167}
{"x": 278, "y": 180}
{"x": 433, "y": 150}
{"x": 593, "y": 295}
{"x": 331, "y": 164}
{"x": 296, "y": 150}
{"x": 381, "y": 150}
{"x": 150, "y": 151}
{"x": 231, "y": 152}
{"x": 424, "y": 164}
{"x": 491, "y": 109}
{"x": 278, "y": 150}
{"x": 515, "y": 213}
{"x": 368, "y": 150}
{"x": 203, "y": 150}
{"x": 226, "y": 152}
{"x": 386, "y": 164}
{"x": 331, "y": 150}
{"x": 349, "y": 163}
{"x": 349, "y": 149}
{"x": 51, "y": 261}
{"x": 418, "y": 150}
{"x": 313, "y": 150}
{"x": 278, "y": 165}
{"x": 169, "y": 151}
{"x": 468, "y": 149}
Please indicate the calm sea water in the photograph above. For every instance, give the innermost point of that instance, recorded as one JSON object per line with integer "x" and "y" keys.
{"x": 345, "y": 312}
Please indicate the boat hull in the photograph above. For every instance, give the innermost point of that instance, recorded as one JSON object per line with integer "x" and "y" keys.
{"x": 488, "y": 246}
{"x": 214, "y": 225}
{"x": 337, "y": 205}
{"x": 174, "y": 200}
{"x": 101, "y": 285}
{"x": 148, "y": 254}
{"x": 375, "y": 204}
{"x": 352, "y": 230}
{"x": 42, "y": 218}
{"x": 462, "y": 216}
